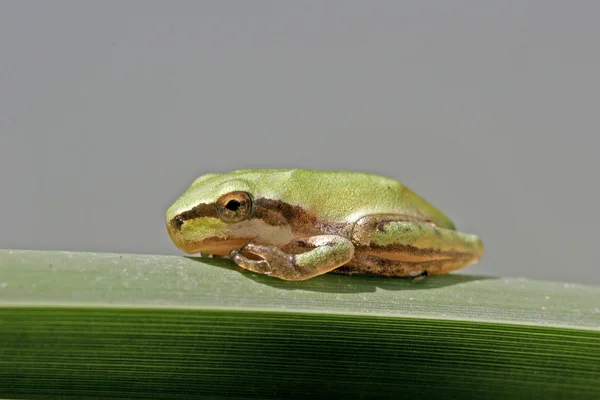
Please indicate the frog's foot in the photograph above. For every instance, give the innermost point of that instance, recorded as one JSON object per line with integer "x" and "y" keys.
{"x": 328, "y": 252}
{"x": 259, "y": 266}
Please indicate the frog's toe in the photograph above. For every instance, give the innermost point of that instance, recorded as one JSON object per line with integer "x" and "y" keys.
{"x": 418, "y": 275}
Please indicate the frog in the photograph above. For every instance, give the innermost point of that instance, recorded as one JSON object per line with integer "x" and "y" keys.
{"x": 296, "y": 224}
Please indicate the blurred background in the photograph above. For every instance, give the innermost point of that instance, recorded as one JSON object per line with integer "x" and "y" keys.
{"x": 490, "y": 110}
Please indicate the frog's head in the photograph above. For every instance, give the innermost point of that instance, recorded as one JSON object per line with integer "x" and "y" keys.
{"x": 218, "y": 213}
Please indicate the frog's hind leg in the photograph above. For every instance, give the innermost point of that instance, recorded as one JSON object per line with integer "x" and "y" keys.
{"x": 400, "y": 246}
{"x": 373, "y": 265}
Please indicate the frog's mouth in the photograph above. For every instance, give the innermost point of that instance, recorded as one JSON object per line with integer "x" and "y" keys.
{"x": 195, "y": 236}
{"x": 211, "y": 235}
{"x": 215, "y": 246}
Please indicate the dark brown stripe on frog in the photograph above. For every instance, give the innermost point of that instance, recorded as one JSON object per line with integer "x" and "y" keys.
{"x": 272, "y": 212}
{"x": 279, "y": 213}
{"x": 201, "y": 210}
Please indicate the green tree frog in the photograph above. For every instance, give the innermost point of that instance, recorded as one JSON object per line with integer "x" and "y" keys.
{"x": 296, "y": 224}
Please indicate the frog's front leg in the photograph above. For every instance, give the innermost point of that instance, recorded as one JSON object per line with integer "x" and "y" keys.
{"x": 327, "y": 253}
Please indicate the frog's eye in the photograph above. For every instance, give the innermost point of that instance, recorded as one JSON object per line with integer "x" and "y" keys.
{"x": 234, "y": 206}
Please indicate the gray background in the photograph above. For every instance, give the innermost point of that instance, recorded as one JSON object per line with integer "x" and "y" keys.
{"x": 489, "y": 109}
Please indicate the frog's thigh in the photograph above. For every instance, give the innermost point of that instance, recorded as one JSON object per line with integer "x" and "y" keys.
{"x": 409, "y": 240}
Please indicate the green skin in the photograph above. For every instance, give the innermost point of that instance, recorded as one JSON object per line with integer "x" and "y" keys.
{"x": 297, "y": 224}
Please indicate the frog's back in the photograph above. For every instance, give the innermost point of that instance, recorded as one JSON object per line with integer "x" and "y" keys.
{"x": 341, "y": 195}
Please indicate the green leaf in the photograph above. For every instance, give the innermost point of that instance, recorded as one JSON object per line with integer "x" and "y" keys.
{"x": 88, "y": 325}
